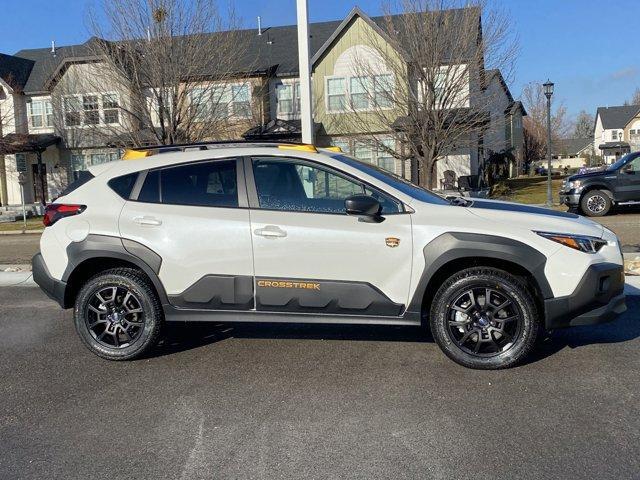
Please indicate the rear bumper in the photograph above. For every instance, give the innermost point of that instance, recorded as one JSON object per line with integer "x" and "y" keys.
{"x": 54, "y": 288}
{"x": 599, "y": 298}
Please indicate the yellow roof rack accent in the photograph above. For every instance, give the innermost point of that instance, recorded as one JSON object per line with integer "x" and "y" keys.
{"x": 300, "y": 148}
{"x": 130, "y": 154}
{"x": 334, "y": 149}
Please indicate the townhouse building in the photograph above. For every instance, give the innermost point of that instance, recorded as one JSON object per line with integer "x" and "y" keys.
{"x": 49, "y": 117}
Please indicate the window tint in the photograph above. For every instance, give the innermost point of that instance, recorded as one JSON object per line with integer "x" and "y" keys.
{"x": 123, "y": 185}
{"x": 211, "y": 184}
{"x": 298, "y": 186}
{"x": 150, "y": 191}
{"x": 83, "y": 177}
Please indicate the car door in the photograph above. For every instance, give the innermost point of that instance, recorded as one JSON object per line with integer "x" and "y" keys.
{"x": 195, "y": 217}
{"x": 310, "y": 257}
{"x": 629, "y": 181}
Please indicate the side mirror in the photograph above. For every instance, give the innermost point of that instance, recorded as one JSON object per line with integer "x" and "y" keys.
{"x": 628, "y": 169}
{"x": 365, "y": 207}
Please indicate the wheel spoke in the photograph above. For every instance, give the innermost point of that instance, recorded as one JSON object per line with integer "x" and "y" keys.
{"x": 101, "y": 298}
{"x": 96, "y": 310}
{"x": 126, "y": 299}
{"x": 456, "y": 323}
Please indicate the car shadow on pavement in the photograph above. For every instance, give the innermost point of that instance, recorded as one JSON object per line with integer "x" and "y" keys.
{"x": 623, "y": 329}
{"x": 180, "y": 337}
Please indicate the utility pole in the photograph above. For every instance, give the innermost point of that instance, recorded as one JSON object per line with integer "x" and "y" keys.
{"x": 304, "y": 66}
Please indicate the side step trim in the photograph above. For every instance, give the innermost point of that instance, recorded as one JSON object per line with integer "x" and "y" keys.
{"x": 173, "y": 314}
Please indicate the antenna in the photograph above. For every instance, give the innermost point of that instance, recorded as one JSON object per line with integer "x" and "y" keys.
{"x": 259, "y": 25}
{"x": 53, "y": 48}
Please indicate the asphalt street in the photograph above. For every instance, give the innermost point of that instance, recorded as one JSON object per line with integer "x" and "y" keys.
{"x": 290, "y": 401}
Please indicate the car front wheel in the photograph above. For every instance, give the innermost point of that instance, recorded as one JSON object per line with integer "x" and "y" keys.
{"x": 595, "y": 203}
{"x": 484, "y": 318}
{"x": 118, "y": 315}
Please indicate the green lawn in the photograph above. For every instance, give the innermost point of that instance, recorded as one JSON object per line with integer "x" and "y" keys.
{"x": 33, "y": 223}
{"x": 532, "y": 190}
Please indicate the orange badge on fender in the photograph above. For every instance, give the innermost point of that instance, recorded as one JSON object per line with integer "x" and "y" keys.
{"x": 392, "y": 241}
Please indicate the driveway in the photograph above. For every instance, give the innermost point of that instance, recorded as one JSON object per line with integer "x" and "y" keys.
{"x": 266, "y": 402}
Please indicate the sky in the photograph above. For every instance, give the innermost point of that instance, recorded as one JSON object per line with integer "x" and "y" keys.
{"x": 588, "y": 48}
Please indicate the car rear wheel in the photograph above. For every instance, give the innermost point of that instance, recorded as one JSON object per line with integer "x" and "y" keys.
{"x": 595, "y": 203}
{"x": 484, "y": 318}
{"x": 118, "y": 315}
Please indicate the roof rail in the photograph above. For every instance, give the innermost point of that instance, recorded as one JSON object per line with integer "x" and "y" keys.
{"x": 182, "y": 147}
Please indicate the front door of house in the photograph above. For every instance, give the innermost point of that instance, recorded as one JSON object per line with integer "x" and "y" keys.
{"x": 39, "y": 182}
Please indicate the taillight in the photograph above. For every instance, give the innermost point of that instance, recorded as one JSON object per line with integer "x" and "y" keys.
{"x": 56, "y": 211}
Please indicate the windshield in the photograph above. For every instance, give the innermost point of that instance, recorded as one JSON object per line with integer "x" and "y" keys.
{"x": 393, "y": 180}
{"x": 621, "y": 161}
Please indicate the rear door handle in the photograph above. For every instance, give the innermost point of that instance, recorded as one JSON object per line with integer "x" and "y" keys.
{"x": 148, "y": 221}
{"x": 270, "y": 231}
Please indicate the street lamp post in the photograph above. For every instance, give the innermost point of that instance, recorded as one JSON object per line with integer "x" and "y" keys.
{"x": 548, "y": 91}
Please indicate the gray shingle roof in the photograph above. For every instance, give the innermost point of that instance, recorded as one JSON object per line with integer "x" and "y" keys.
{"x": 617, "y": 117}
{"x": 571, "y": 146}
{"x": 15, "y": 70}
{"x": 275, "y": 49}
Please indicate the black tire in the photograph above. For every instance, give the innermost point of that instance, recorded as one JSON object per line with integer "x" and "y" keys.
{"x": 118, "y": 315}
{"x": 595, "y": 203}
{"x": 506, "y": 336}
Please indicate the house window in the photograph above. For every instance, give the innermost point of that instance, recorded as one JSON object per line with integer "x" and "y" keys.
{"x": 336, "y": 94}
{"x": 359, "y": 89}
{"x": 240, "y": 105}
{"x": 383, "y": 89}
{"x": 91, "y": 109}
{"x": 285, "y": 98}
{"x": 21, "y": 162}
{"x": 363, "y": 151}
{"x": 40, "y": 113}
{"x": 110, "y": 108}
{"x": 614, "y": 135}
{"x": 221, "y": 101}
{"x": 72, "y": 116}
{"x": 384, "y": 158}
{"x": 380, "y": 155}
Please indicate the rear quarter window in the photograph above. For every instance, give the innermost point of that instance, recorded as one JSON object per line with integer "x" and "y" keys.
{"x": 123, "y": 185}
{"x": 82, "y": 177}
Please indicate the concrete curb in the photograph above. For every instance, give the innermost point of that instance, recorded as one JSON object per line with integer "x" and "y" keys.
{"x": 16, "y": 279}
{"x": 21, "y": 232}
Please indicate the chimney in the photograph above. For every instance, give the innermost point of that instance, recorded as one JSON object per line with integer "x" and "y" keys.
{"x": 53, "y": 48}
{"x": 259, "y": 26}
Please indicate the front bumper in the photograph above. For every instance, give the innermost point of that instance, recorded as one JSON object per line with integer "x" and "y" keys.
{"x": 598, "y": 298}
{"x": 570, "y": 198}
{"x": 54, "y": 288}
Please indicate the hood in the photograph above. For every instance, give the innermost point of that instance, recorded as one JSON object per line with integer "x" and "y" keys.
{"x": 534, "y": 218}
{"x": 580, "y": 176}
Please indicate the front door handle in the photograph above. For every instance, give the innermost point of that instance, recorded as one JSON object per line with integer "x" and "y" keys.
{"x": 147, "y": 221}
{"x": 270, "y": 231}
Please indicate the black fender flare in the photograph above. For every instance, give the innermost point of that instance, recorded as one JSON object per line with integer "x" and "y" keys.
{"x": 104, "y": 246}
{"x": 453, "y": 246}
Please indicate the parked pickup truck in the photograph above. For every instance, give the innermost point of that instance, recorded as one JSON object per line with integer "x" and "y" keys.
{"x": 595, "y": 193}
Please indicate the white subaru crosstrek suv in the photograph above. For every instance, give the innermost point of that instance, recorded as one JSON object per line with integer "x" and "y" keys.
{"x": 293, "y": 233}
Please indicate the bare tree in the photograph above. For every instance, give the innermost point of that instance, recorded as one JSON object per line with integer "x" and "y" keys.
{"x": 584, "y": 125}
{"x": 535, "y": 123}
{"x": 167, "y": 71}
{"x": 424, "y": 80}
{"x": 635, "y": 98}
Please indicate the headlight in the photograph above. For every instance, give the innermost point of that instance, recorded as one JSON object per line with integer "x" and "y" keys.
{"x": 574, "y": 184}
{"x": 583, "y": 243}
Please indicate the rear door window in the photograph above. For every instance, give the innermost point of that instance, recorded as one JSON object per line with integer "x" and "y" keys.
{"x": 208, "y": 184}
